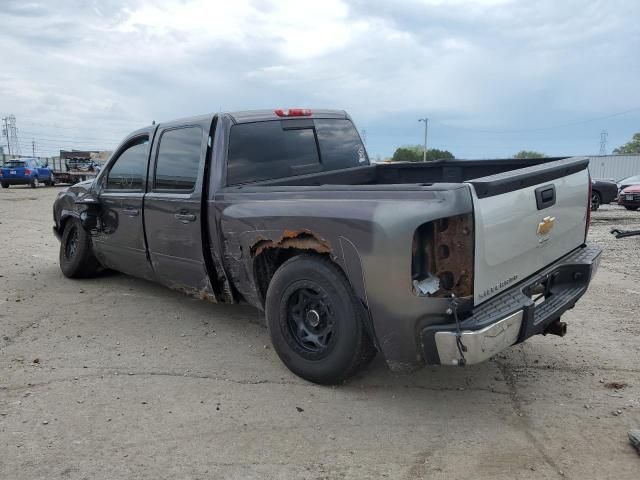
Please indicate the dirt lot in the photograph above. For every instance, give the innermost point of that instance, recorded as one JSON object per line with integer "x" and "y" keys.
{"x": 120, "y": 378}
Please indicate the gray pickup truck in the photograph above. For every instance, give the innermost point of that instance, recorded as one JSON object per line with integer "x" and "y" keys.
{"x": 433, "y": 263}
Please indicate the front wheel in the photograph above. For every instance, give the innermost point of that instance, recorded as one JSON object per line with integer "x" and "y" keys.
{"x": 316, "y": 323}
{"x": 35, "y": 183}
{"x": 628, "y": 207}
{"x": 76, "y": 257}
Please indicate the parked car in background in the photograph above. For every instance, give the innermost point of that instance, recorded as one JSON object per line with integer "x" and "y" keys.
{"x": 25, "y": 171}
{"x": 602, "y": 192}
{"x": 627, "y": 182}
{"x": 629, "y": 197}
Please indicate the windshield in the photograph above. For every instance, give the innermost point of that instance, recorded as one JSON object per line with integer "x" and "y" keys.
{"x": 13, "y": 164}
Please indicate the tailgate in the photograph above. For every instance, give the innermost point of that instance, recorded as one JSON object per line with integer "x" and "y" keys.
{"x": 526, "y": 219}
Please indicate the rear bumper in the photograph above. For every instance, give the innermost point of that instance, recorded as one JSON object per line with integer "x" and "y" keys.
{"x": 16, "y": 181}
{"x": 513, "y": 316}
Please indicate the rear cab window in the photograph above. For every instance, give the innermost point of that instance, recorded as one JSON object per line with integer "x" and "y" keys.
{"x": 284, "y": 148}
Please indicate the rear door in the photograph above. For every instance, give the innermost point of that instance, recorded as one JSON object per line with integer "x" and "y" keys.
{"x": 526, "y": 219}
{"x": 120, "y": 244}
{"x": 173, "y": 207}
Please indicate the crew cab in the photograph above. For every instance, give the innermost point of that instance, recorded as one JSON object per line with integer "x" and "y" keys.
{"x": 445, "y": 262}
{"x": 25, "y": 171}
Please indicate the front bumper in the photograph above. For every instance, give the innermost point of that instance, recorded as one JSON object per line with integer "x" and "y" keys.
{"x": 513, "y": 316}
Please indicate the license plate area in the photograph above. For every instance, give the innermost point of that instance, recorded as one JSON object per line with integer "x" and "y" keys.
{"x": 12, "y": 172}
{"x": 629, "y": 197}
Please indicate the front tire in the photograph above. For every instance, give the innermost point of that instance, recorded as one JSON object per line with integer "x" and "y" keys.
{"x": 35, "y": 183}
{"x": 628, "y": 207}
{"x": 316, "y": 323}
{"x": 76, "y": 257}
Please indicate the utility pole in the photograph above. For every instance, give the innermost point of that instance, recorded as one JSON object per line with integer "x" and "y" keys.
{"x": 426, "y": 128}
{"x": 33, "y": 147}
{"x": 603, "y": 142}
{"x": 5, "y": 132}
{"x": 11, "y": 132}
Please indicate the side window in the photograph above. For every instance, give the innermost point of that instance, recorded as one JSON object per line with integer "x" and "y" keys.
{"x": 178, "y": 159}
{"x": 272, "y": 149}
{"x": 128, "y": 172}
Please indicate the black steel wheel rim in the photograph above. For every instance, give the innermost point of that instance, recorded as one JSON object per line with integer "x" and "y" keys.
{"x": 311, "y": 320}
{"x": 71, "y": 246}
{"x": 595, "y": 201}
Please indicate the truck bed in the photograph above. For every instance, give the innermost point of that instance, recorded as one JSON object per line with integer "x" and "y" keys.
{"x": 444, "y": 171}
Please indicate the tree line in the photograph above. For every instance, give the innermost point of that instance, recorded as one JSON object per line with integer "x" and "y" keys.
{"x": 415, "y": 153}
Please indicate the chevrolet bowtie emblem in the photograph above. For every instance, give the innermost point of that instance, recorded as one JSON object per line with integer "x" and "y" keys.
{"x": 546, "y": 225}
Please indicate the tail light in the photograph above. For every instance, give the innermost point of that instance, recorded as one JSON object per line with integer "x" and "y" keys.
{"x": 293, "y": 112}
{"x": 0, "y": 173}
{"x": 27, "y": 172}
{"x": 442, "y": 262}
{"x": 586, "y": 228}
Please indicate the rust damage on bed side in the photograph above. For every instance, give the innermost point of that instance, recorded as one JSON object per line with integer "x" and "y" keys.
{"x": 268, "y": 254}
{"x": 443, "y": 257}
{"x": 297, "y": 239}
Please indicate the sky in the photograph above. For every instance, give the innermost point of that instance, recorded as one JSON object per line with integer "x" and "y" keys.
{"x": 493, "y": 76}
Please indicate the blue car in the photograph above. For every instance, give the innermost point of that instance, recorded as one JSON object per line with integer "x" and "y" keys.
{"x": 25, "y": 171}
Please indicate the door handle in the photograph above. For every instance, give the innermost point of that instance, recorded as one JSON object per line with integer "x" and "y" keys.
{"x": 185, "y": 217}
{"x": 131, "y": 212}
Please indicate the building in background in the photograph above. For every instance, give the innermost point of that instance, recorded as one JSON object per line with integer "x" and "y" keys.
{"x": 614, "y": 167}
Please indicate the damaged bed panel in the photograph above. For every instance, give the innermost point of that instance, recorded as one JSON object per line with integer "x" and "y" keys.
{"x": 368, "y": 237}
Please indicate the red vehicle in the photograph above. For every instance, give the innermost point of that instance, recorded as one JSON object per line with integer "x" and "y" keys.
{"x": 629, "y": 197}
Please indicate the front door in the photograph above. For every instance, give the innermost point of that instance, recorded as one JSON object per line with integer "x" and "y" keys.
{"x": 172, "y": 208}
{"x": 120, "y": 242}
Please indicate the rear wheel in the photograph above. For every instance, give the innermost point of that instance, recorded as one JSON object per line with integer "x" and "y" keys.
{"x": 52, "y": 181}
{"x": 316, "y": 323}
{"x": 35, "y": 183}
{"x": 76, "y": 257}
{"x": 629, "y": 207}
{"x": 596, "y": 201}
{"x": 5, "y": 185}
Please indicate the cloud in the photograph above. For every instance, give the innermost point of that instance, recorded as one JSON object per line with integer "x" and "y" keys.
{"x": 97, "y": 69}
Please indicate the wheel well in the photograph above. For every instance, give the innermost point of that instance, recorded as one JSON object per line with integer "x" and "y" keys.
{"x": 269, "y": 261}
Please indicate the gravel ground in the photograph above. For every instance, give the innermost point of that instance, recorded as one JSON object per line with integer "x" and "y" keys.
{"x": 120, "y": 378}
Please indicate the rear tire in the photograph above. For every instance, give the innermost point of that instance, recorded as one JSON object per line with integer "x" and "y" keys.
{"x": 5, "y": 185}
{"x": 596, "y": 201}
{"x": 316, "y": 323}
{"x": 630, "y": 208}
{"x": 76, "y": 256}
{"x": 35, "y": 183}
